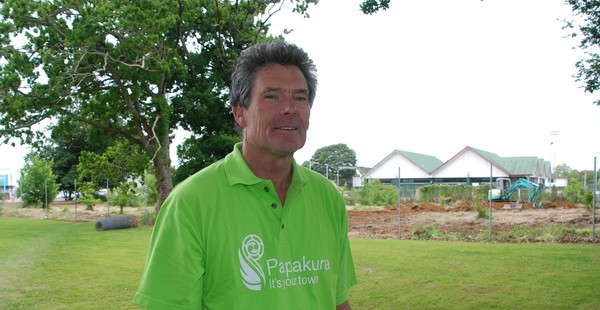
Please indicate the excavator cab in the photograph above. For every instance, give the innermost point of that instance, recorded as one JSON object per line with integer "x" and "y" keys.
{"x": 502, "y": 185}
{"x": 505, "y": 189}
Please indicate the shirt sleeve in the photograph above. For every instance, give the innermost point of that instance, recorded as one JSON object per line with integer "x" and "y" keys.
{"x": 173, "y": 275}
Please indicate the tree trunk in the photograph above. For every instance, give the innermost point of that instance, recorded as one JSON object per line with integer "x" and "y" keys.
{"x": 163, "y": 178}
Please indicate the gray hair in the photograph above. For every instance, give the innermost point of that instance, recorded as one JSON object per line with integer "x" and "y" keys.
{"x": 272, "y": 52}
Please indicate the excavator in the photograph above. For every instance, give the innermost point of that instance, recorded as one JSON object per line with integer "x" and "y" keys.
{"x": 504, "y": 190}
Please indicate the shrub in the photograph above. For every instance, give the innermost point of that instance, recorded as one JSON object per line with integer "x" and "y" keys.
{"x": 440, "y": 193}
{"x": 482, "y": 212}
{"x": 574, "y": 192}
{"x": 588, "y": 200}
{"x": 89, "y": 201}
{"x": 429, "y": 232}
{"x": 374, "y": 193}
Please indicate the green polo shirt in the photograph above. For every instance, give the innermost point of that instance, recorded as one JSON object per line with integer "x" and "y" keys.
{"x": 223, "y": 240}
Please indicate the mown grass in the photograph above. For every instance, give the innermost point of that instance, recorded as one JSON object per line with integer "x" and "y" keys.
{"x": 459, "y": 275}
{"x": 62, "y": 265}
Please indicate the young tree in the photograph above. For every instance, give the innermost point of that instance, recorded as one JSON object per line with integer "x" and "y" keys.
{"x": 37, "y": 183}
{"x": 574, "y": 192}
{"x": 67, "y": 140}
{"x": 129, "y": 69}
{"x": 126, "y": 195}
{"x": 88, "y": 196}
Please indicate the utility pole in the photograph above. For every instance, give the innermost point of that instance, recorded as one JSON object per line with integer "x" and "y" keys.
{"x": 553, "y": 133}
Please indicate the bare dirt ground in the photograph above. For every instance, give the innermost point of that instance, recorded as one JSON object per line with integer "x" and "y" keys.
{"x": 459, "y": 219}
{"x": 67, "y": 211}
{"x": 462, "y": 219}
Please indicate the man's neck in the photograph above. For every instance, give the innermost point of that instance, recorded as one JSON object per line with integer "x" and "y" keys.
{"x": 277, "y": 169}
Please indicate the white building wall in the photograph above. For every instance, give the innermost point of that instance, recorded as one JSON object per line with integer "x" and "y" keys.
{"x": 389, "y": 169}
{"x": 560, "y": 182}
{"x": 471, "y": 163}
{"x": 357, "y": 181}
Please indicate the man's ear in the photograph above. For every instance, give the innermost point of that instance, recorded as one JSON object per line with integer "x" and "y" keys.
{"x": 239, "y": 113}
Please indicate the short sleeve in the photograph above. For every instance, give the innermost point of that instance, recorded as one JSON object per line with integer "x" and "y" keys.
{"x": 173, "y": 275}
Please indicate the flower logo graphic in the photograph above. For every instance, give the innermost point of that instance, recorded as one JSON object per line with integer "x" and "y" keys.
{"x": 250, "y": 253}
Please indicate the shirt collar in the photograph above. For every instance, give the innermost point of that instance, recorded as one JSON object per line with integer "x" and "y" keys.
{"x": 238, "y": 172}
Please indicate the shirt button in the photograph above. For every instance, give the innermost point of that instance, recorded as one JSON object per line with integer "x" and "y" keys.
{"x": 274, "y": 205}
{"x": 266, "y": 189}
{"x": 282, "y": 226}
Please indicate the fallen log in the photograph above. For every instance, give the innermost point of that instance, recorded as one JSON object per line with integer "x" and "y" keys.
{"x": 116, "y": 222}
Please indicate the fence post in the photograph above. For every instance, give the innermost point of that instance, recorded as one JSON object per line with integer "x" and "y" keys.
{"x": 399, "y": 209}
{"x": 490, "y": 198}
{"x": 594, "y": 203}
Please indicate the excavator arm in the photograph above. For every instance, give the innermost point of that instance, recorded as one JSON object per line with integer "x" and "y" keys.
{"x": 522, "y": 183}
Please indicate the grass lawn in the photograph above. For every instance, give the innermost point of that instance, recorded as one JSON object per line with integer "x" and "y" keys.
{"x": 458, "y": 275}
{"x": 61, "y": 265}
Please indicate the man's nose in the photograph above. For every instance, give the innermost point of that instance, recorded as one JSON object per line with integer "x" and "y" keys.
{"x": 289, "y": 105}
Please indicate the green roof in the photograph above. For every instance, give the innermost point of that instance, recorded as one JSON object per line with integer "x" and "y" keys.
{"x": 513, "y": 165}
{"x": 520, "y": 165}
{"x": 426, "y": 162}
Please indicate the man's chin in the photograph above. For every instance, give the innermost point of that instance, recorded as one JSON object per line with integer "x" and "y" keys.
{"x": 289, "y": 150}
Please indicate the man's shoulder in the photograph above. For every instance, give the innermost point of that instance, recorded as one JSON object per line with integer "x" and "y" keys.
{"x": 206, "y": 177}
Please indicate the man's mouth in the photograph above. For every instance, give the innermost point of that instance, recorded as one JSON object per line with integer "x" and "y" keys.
{"x": 287, "y": 128}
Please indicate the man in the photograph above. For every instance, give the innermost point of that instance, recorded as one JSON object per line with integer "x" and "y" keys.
{"x": 255, "y": 230}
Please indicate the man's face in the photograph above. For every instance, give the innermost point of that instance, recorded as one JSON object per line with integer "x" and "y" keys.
{"x": 278, "y": 114}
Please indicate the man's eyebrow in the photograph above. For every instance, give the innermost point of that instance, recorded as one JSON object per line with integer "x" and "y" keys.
{"x": 303, "y": 91}
{"x": 268, "y": 89}
{"x": 295, "y": 91}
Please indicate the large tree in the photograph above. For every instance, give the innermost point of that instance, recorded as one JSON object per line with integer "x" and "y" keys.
{"x": 586, "y": 26}
{"x": 333, "y": 159}
{"x": 132, "y": 69}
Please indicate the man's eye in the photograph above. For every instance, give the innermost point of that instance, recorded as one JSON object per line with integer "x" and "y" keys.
{"x": 301, "y": 98}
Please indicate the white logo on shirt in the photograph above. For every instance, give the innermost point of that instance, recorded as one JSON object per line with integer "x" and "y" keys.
{"x": 280, "y": 274}
{"x": 249, "y": 254}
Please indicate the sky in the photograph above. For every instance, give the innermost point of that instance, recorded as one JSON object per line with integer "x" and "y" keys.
{"x": 434, "y": 77}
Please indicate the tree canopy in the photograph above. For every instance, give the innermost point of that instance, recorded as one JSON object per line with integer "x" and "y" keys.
{"x": 327, "y": 160}
{"x": 130, "y": 69}
{"x": 373, "y": 6}
{"x": 587, "y": 28}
